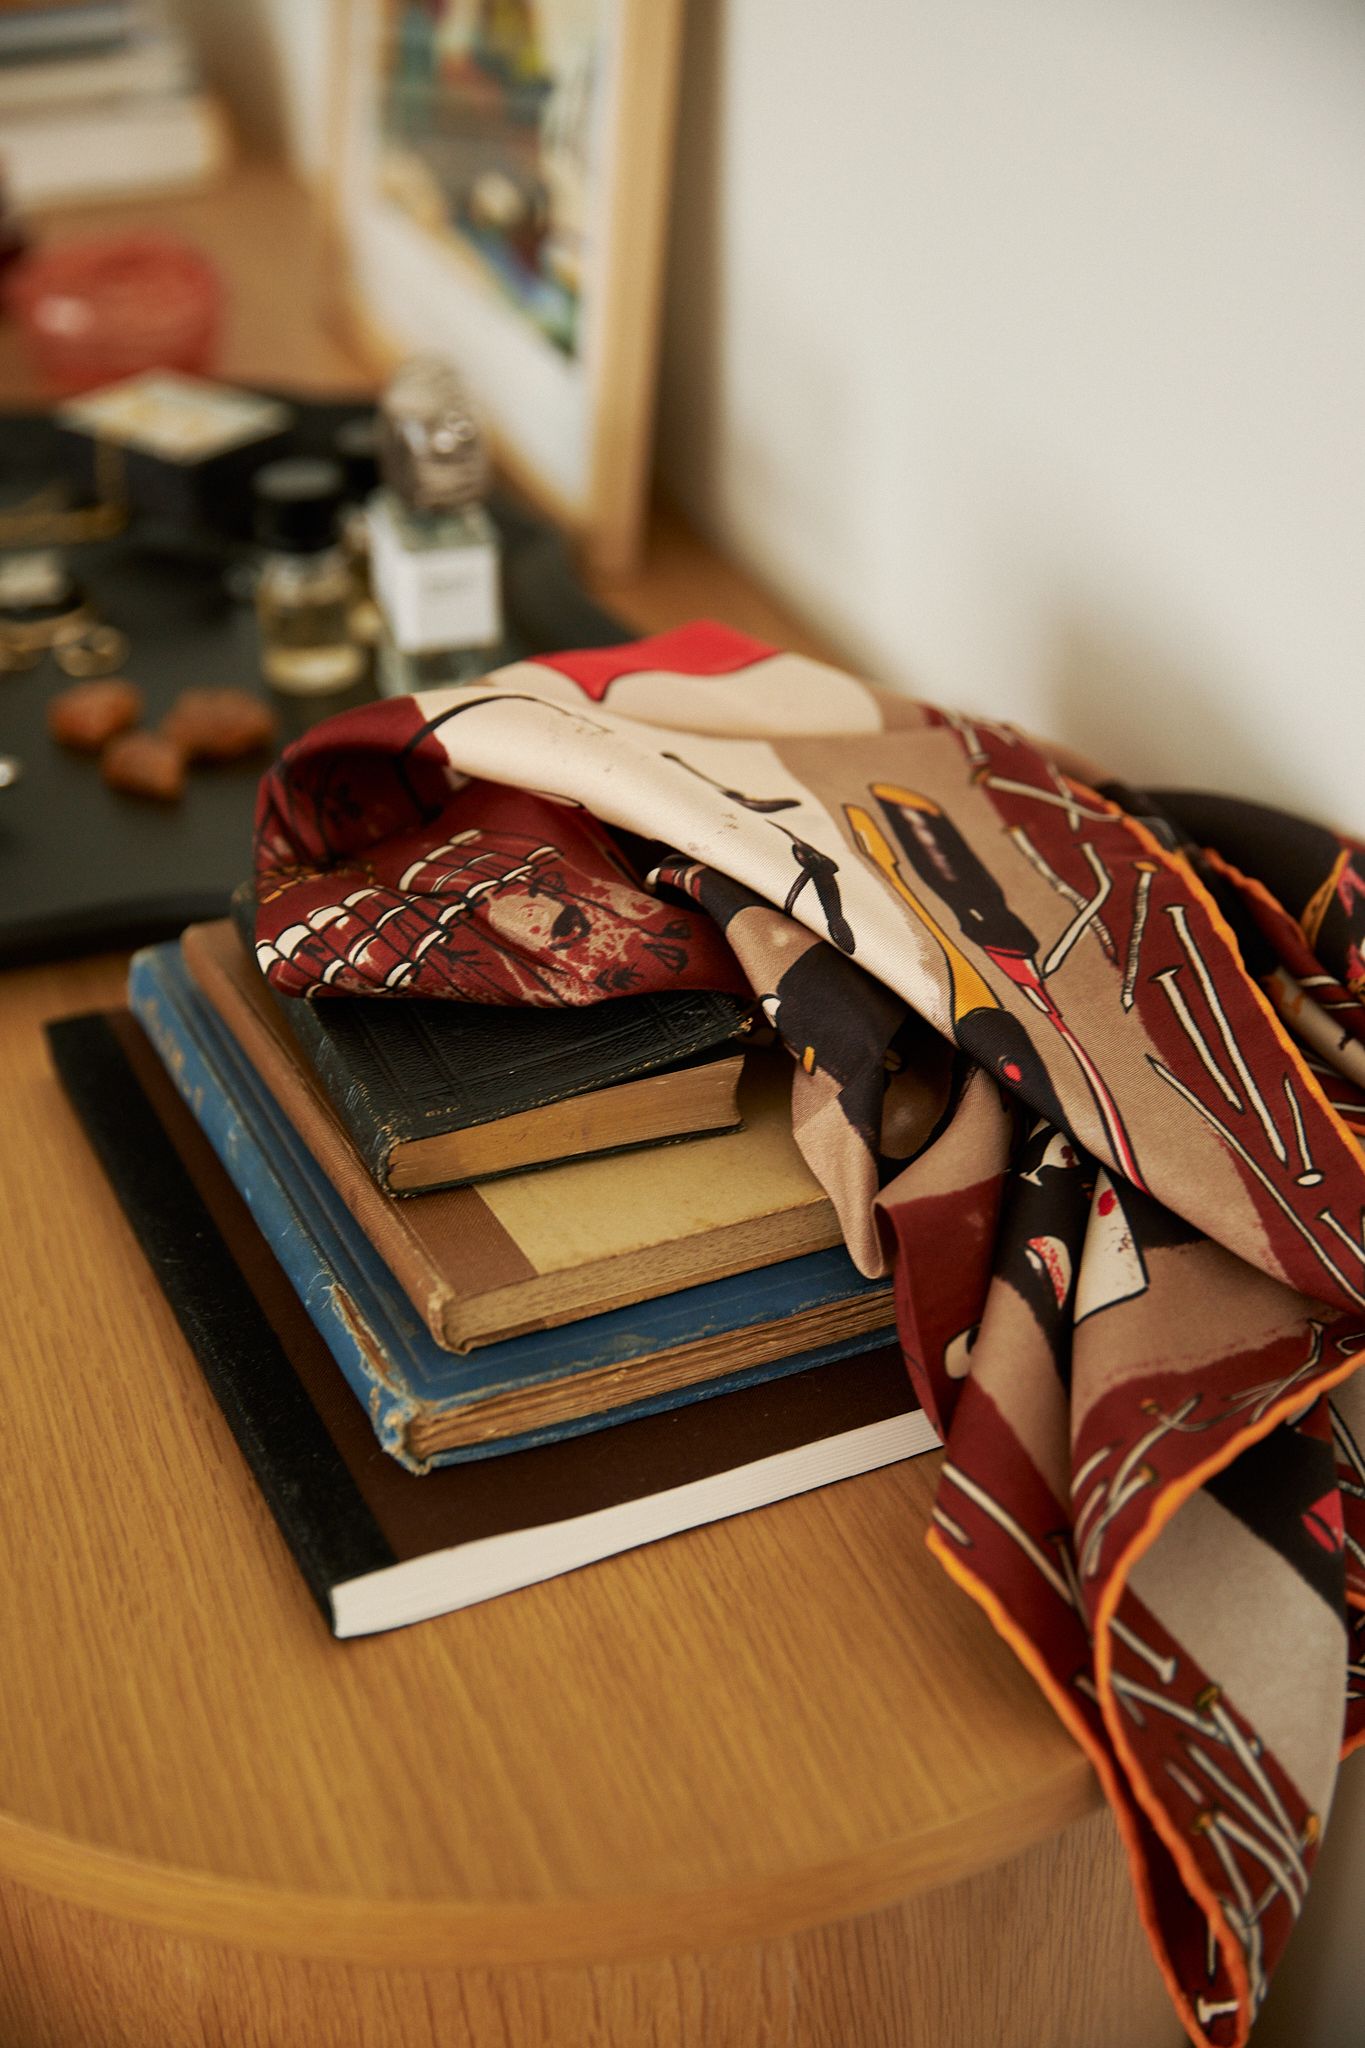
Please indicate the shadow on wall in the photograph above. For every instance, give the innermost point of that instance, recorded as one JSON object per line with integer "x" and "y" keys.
{"x": 271, "y": 61}
{"x": 1151, "y": 718}
{"x": 694, "y": 324}
{"x": 237, "y": 48}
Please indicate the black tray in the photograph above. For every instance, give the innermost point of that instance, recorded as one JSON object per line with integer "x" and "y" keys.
{"x": 83, "y": 868}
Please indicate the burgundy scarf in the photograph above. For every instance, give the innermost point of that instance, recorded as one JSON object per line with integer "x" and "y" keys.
{"x": 1085, "y": 1071}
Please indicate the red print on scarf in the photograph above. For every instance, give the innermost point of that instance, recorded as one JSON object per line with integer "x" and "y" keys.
{"x": 704, "y": 649}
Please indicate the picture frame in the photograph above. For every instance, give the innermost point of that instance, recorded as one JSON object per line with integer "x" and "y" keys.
{"x": 498, "y": 177}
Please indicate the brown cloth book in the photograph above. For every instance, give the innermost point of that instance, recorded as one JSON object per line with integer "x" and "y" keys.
{"x": 535, "y": 1250}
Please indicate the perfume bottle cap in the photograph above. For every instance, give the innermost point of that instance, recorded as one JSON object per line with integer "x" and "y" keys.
{"x": 297, "y": 503}
{"x": 431, "y": 451}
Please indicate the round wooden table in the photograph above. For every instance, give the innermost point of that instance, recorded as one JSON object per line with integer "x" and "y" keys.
{"x": 773, "y": 1781}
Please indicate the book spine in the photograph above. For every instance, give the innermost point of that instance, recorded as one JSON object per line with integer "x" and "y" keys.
{"x": 676, "y": 1397}
{"x": 433, "y": 1299}
{"x": 370, "y": 1134}
{"x": 284, "y": 1229}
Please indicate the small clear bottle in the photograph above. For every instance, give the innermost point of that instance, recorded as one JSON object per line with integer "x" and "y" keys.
{"x": 434, "y": 552}
{"x": 309, "y": 657}
{"x": 355, "y": 446}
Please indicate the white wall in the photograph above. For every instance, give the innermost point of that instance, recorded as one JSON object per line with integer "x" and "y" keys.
{"x": 1023, "y": 349}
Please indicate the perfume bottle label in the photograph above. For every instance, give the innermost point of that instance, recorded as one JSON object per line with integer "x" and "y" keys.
{"x": 436, "y": 597}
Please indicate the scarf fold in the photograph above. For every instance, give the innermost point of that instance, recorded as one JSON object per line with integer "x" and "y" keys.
{"x": 1083, "y": 1069}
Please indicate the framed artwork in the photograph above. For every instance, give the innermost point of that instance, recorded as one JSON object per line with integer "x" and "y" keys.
{"x": 500, "y": 180}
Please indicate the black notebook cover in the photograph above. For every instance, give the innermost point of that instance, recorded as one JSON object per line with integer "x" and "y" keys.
{"x": 418, "y": 1067}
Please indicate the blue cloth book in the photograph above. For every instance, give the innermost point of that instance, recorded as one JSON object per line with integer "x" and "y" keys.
{"x": 431, "y": 1406}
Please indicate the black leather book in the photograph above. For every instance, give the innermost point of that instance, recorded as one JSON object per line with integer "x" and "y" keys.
{"x": 436, "y": 1093}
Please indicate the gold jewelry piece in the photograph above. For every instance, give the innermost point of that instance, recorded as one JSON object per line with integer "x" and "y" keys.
{"x": 35, "y": 636}
{"x": 98, "y": 651}
{"x": 44, "y": 521}
{"x": 42, "y": 611}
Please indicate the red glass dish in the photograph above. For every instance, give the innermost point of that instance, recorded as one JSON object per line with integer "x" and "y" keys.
{"x": 96, "y": 310}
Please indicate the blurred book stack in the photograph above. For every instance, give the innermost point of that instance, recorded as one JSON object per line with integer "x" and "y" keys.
{"x": 615, "y": 1303}
{"x": 101, "y": 99}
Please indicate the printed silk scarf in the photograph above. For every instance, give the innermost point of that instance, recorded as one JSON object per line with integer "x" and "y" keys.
{"x": 1085, "y": 1075}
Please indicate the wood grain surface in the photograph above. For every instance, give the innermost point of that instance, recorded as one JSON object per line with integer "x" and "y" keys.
{"x": 745, "y": 1730}
{"x": 1042, "y": 1952}
{"x": 771, "y": 1781}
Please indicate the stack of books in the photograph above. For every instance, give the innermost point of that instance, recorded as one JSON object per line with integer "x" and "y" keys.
{"x": 101, "y": 98}
{"x": 487, "y": 1294}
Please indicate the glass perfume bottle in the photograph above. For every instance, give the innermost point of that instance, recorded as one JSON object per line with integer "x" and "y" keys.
{"x": 309, "y": 656}
{"x": 434, "y": 556}
{"x": 355, "y": 445}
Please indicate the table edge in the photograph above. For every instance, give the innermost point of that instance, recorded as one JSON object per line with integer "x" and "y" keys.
{"x": 418, "y": 1933}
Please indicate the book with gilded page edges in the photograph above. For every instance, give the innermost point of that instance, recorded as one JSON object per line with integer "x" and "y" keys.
{"x": 436, "y": 1093}
{"x": 532, "y": 1250}
{"x": 432, "y": 1406}
{"x": 379, "y": 1547}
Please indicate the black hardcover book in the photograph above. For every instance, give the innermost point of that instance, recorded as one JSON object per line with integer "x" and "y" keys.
{"x": 434, "y": 1093}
